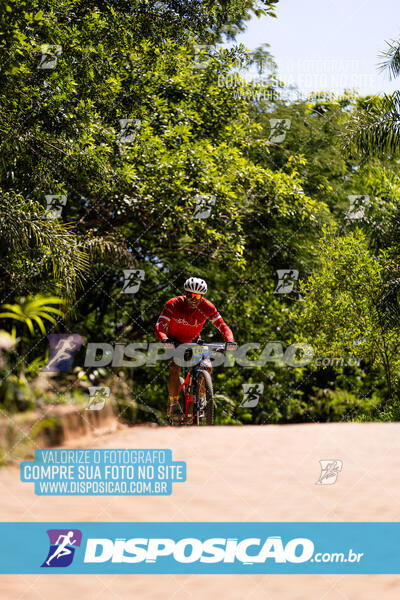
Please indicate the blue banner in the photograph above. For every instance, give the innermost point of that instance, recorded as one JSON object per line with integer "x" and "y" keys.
{"x": 213, "y": 548}
{"x": 103, "y": 472}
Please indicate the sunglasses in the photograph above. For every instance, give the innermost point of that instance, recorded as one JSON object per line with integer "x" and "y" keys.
{"x": 193, "y": 296}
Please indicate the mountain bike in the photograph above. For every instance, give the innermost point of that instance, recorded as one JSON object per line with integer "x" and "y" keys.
{"x": 197, "y": 403}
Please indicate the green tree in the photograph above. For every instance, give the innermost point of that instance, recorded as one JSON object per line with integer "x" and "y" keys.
{"x": 342, "y": 313}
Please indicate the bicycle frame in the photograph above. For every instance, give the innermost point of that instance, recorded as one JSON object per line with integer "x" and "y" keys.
{"x": 190, "y": 376}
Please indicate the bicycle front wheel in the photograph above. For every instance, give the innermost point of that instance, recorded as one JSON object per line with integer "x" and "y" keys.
{"x": 204, "y": 401}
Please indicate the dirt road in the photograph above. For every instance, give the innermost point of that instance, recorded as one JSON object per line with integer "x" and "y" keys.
{"x": 233, "y": 474}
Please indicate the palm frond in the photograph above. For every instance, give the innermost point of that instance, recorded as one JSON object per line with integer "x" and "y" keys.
{"x": 391, "y": 58}
{"x": 29, "y": 324}
{"x": 44, "y": 300}
{"x": 112, "y": 247}
{"x": 34, "y": 309}
{"x": 40, "y": 323}
{"x": 12, "y": 315}
{"x": 48, "y": 318}
{"x": 15, "y": 308}
{"x": 374, "y": 130}
{"x": 44, "y": 313}
{"x": 24, "y": 225}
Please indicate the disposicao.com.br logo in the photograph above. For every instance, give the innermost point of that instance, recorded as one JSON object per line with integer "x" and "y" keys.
{"x": 62, "y": 547}
{"x": 213, "y": 548}
{"x": 248, "y": 551}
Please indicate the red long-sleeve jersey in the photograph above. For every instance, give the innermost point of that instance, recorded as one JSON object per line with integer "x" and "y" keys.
{"x": 184, "y": 323}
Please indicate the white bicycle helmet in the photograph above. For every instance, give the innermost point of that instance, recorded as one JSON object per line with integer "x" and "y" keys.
{"x": 195, "y": 285}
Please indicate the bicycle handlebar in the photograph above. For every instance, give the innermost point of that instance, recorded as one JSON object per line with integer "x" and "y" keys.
{"x": 221, "y": 345}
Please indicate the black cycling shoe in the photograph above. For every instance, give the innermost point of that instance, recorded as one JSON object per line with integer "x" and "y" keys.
{"x": 175, "y": 414}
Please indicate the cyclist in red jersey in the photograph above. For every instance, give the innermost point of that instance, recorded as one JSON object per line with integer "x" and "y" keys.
{"x": 181, "y": 321}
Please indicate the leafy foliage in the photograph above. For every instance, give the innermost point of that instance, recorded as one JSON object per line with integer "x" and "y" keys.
{"x": 343, "y": 307}
{"x": 133, "y": 114}
{"x": 33, "y": 310}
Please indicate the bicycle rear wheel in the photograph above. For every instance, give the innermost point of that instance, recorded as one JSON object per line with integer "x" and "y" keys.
{"x": 204, "y": 402}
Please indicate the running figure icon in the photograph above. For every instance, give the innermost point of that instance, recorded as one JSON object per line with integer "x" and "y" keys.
{"x": 62, "y": 550}
{"x": 63, "y": 544}
{"x": 63, "y": 347}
